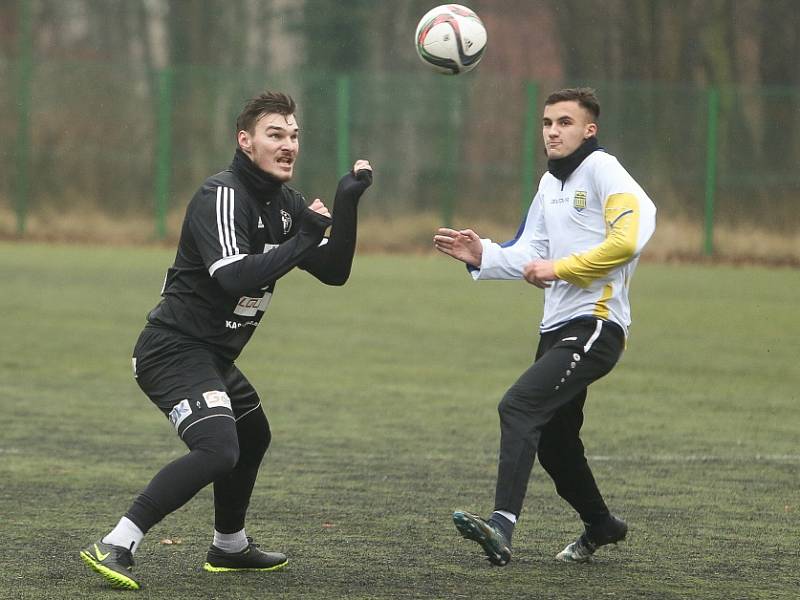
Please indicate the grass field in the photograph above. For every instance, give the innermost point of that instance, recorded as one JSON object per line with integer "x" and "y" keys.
{"x": 382, "y": 399}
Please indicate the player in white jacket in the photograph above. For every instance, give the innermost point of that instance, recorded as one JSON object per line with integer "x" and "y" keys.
{"x": 580, "y": 242}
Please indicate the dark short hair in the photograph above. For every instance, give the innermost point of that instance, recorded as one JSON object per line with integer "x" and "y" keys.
{"x": 265, "y": 103}
{"x": 584, "y": 96}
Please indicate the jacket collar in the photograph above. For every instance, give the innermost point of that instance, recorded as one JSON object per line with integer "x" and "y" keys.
{"x": 561, "y": 168}
{"x": 263, "y": 186}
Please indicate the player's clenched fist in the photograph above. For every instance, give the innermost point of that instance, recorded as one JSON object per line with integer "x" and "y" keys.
{"x": 540, "y": 273}
{"x": 353, "y": 184}
{"x": 319, "y": 207}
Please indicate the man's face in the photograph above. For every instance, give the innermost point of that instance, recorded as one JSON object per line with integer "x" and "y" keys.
{"x": 274, "y": 145}
{"x": 565, "y": 126}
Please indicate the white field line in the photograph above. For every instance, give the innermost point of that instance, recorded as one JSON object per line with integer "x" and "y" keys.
{"x": 691, "y": 458}
{"x": 628, "y": 458}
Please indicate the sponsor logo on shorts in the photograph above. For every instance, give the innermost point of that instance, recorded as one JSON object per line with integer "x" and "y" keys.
{"x": 179, "y": 412}
{"x": 216, "y": 398}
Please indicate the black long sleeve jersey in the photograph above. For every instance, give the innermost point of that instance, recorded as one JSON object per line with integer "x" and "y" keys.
{"x": 242, "y": 231}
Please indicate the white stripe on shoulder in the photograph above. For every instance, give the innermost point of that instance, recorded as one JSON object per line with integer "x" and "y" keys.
{"x": 226, "y": 229}
{"x": 232, "y": 225}
{"x": 220, "y": 235}
{"x": 222, "y": 262}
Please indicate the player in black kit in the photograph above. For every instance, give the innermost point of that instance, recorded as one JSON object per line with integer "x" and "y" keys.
{"x": 243, "y": 230}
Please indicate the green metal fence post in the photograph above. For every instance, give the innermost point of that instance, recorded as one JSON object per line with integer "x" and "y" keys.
{"x": 342, "y": 124}
{"x": 529, "y": 138}
{"x": 711, "y": 169}
{"x": 452, "y": 150}
{"x": 163, "y": 149}
{"x": 24, "y": 78}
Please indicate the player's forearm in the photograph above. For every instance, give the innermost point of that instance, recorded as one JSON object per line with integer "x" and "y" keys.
{"x": 498, "y": 262}
{"x": 331, "y": 263}
{"x": 582, "y": 269}
{"x": 256, "y": 271}
{"x": 621, "y": 244}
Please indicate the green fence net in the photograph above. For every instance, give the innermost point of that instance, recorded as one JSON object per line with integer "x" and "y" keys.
{"x": 92, "y": 139}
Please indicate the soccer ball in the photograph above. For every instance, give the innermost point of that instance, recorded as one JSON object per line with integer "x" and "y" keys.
{"x": 451, "y": 39}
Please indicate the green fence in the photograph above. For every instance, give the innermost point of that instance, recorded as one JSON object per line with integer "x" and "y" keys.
{"x": 95, "y": 138}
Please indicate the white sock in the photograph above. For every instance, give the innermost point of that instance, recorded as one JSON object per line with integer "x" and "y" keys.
{"x": 230, "y": 542}
{"x": 510, "y": 516}
{"x": 125, "y": 534}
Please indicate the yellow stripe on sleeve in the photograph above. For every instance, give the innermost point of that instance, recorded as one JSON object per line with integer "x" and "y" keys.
{"x": 622, "y": 231}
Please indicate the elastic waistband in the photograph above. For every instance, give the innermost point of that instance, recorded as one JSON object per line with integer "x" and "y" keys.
{"x": 614, "y": 328}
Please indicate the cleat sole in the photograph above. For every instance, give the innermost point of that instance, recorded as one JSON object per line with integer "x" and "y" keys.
{"x": 115, "y": 579}
{"x": 471, "y": 529}
{"x": 212, "y": 569}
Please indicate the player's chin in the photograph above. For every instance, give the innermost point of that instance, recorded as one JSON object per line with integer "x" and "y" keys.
{"x": 283, "y": 173}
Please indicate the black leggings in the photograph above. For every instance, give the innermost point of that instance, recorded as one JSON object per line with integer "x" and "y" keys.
{"x": 221, "y": 450}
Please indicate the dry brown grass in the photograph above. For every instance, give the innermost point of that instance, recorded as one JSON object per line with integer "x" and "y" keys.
{"x": 681, "y": 240}
{"x": 87, "y": 227}
{"x": 674, "y": 240}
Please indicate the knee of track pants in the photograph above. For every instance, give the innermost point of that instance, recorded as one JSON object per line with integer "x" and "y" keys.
{"x": 507, "y": 402}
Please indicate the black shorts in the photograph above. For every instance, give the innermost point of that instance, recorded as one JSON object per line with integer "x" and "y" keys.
{"x": 188, "y": 381}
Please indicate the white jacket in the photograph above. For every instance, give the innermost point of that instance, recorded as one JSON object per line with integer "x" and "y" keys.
{"x": 594, "y": 226}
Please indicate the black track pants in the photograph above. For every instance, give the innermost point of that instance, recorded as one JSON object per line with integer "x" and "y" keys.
{"x": 543, "y": 412}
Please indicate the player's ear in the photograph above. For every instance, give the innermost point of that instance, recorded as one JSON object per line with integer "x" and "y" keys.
{"x": 591, "y": 131}
{"x": 245, "y": 141}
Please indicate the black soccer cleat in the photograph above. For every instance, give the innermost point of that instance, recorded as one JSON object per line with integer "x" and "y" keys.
{"x": 249, "y": 559}
{"x": 613, "y": 530}
{"x": 114, "y": 563}
{"x": 491, "y": 539}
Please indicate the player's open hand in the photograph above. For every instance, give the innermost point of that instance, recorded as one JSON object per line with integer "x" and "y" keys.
{"x": 464, "y": 245}
{"x": 540, "y": 273}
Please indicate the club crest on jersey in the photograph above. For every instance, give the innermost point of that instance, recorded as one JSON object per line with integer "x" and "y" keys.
{"x": 579, "y": 200}
{"x": 286, "y": 219}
